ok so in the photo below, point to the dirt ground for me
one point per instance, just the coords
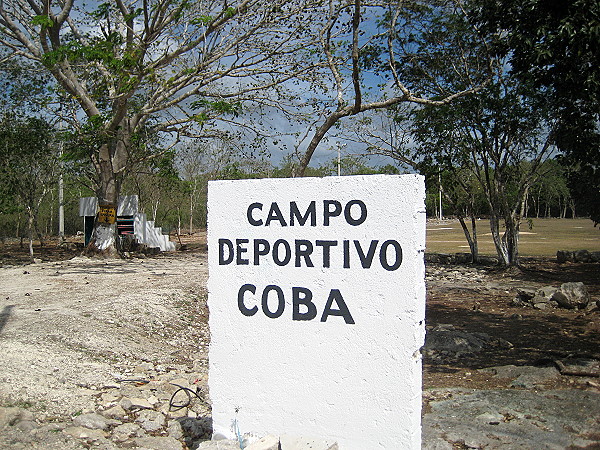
(539, 337)
(70, 326)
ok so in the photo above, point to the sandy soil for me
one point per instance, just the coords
(67, 328)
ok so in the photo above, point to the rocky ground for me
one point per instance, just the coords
(113, 354)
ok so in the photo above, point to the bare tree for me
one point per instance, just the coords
(143, 67)
(359, 38)
(29, 166)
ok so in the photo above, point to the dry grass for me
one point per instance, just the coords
(544, 238)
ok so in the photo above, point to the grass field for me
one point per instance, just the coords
(543, 239)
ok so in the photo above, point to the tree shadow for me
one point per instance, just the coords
(196, 430)
(537, 338)
(545, 270)
(5, 316)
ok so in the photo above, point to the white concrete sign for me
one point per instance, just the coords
(317, 308)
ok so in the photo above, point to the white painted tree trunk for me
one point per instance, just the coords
(105, 237)
(109, 162)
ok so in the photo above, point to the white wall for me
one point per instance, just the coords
(353, 375)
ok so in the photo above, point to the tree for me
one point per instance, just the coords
(550, 194)
(441, 54)
(498, 137)
(353, 165)
(460, 188)
(143, 68)
(361, 41)
(554, 45)
(28, 168)
(501, 137)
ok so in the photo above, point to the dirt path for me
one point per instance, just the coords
(69, 328)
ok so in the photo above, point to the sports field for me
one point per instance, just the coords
(544, 238)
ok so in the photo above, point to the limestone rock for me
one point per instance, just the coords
(85, 433)
(579, 366)
(224, 444)
(524, 376)
(116, 412)
(562, 256)
(134, 403)
(93, 421)
(151, 420)
(125, 431)
(175, 430)
(569, 295)
(195, 428)
(573, 295)
(9, 416)
(158, 443)
(583, 256)
(579, 256)
(109, 398)
(269, 442)
(441, 339)
(26, 425)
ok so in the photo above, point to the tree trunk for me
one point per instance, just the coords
(507, 244)
(471, 236)
(109, 163)
(36, 227)
(18, 235)
(500, 248)
(30, 232)
(475, 247)
(191, 213)
(50, 222)
(155, 210)
(178, 221)
(510, 238)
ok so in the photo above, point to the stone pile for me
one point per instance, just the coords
(568, 295)
(459, 258)
(154, 408)
(150, 407)
(457, 274)
(581, 256)
(445, 341)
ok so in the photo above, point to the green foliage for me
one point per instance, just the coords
(549, 195)
(218, 106)
(353, 165)
(201, 20)
(430, 37)
(28, 166)
(24, 87)
(349, 165)
(164, 166)
(102, 11)
(102, 50)
(243, 169)
(554, 46)
(82, 143)
(43, 21)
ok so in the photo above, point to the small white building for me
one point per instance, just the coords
(129, 222)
